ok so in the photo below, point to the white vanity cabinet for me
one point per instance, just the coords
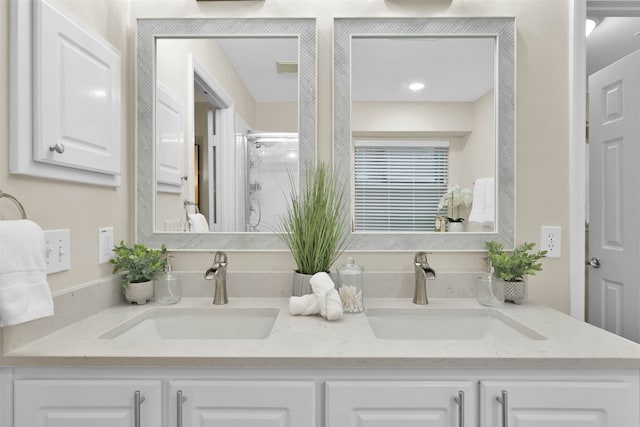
(232, 403)
(559, 403)
(82, 403)
(319, 397)
(399, 403)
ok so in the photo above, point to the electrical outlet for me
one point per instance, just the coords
(57, 250)
(105, 244)
(550, 240)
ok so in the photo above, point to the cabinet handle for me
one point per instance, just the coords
(504, 401)
(137, 401)
(179, 401)
(58, 148)
(460, 401)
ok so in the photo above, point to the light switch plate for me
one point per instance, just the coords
(57, 250)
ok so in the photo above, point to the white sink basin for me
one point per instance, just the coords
(214, 323)
(446, 324)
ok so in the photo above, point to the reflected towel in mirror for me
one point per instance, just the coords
(198, 223)
(483, 206)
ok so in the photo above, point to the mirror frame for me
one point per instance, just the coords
(148, 32)
(503, 30)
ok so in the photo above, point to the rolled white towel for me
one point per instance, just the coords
(331, 309)
(304, 305)
(321, 283)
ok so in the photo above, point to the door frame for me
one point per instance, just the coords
(578, 10)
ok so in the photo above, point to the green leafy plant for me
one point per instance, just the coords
(315, 224)
(140, 263)
(512, 267)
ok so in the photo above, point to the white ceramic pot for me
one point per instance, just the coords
(515, 292)
(139, 293)
(456, 227)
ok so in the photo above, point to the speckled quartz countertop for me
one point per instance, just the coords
(311, 341)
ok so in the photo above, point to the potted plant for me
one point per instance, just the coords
(141, 265)
(514, 267)
(314, 226)
(455, 197)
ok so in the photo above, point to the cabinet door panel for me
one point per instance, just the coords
(397, 403)
(82, 403)
(77, 95)
(245, 403)
(560, 403)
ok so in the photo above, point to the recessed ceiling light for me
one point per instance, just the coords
(590, 25)
(416, 86)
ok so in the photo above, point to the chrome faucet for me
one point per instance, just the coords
(218, 272)
(423, 273)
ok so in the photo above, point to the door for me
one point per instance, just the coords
(242, 403)
(82, 403)
(558, 404)
(614, 208)
(399, 403)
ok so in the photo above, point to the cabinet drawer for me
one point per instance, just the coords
(82, 403)
(560, 403)
(398, 403)
(244, 403)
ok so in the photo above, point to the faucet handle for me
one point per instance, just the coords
(420, 258)
(220, 257)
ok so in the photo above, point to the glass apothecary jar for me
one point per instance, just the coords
(350, 286)
(489, 290)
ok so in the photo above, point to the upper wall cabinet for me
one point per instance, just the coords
(65, 98)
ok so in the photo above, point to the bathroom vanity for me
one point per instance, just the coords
(451, 363)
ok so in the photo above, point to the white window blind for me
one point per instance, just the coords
(398, 184)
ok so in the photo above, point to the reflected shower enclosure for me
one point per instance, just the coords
(272, 175)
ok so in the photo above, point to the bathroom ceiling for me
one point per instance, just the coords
(452, 69)
(613, 39)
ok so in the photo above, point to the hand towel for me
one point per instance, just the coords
(490, 202)
(304, 305)
(198, 223)
(324, 300)
(24, 291)
(479, 197)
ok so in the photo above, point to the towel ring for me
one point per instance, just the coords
(16, 201)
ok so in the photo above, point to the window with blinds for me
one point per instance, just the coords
(398, 184)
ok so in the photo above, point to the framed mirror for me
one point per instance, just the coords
(424, 129)
(226, 124)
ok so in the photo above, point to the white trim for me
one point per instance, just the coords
(613, 7)
(577, 159)
(225, 121)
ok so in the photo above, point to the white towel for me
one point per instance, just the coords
(479, 196)
(325, 299)
(198, 223)
(24, 291)
(490, 202)
(484, 202)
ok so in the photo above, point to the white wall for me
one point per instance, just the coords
(57, 204)
(541, 115)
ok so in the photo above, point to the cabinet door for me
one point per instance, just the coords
(244, 403)
(83, 403)
(560, 403)
(399, 403)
